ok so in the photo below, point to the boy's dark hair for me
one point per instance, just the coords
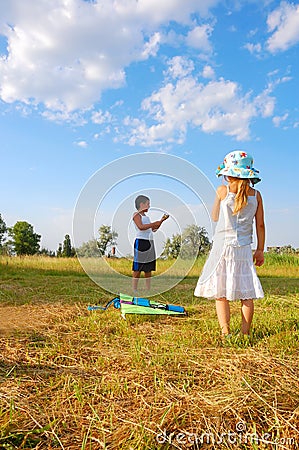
(140, 199)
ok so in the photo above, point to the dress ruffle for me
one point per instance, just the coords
(230, 274)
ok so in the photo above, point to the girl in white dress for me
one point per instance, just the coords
(229, 273)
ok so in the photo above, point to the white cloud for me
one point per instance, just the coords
(277, 120)
(232, 29)
(218, 106)
(175, 10)
(253, 32)
(82, 144)
(208, 72)
(152, 46)
(199, 38)
(76, 118)
(264, 104)
(253, 48)
(283, 22)
(99, 117)
(180, 67)
(63, 54)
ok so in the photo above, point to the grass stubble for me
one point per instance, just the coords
(71, 379)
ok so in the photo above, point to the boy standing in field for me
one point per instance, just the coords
(144, 249)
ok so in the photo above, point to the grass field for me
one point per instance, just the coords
(71, 379)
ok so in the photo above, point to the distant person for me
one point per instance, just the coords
(229, 273)
(144, 249)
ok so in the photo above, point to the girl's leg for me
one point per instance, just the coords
(223, 314)
(136, 276)
(247, 315)
(147, 276)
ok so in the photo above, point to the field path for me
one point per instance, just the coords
(32, 317)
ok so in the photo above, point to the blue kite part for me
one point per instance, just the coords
(115, 302)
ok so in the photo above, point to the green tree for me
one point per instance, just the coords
(46, 252)
(24, 240)
(194, 241)
(287, 250)
(89, 249)
(3, 230)
(172, 246)
(67, 251)
(107, 238)
(59, 250)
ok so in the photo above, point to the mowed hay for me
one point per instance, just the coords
(73, 379)
(105, 383)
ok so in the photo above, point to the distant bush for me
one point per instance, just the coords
(284, 250)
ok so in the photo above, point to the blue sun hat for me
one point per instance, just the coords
(239, 164)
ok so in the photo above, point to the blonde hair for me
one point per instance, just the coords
(241, 198)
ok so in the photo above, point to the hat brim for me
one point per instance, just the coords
(251, 174)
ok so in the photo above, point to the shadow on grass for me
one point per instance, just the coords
(37, 371)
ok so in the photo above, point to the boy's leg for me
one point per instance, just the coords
(136, 276)
(223, 314)
(147, 276)
(247, 311)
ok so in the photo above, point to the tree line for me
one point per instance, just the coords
(21, 239)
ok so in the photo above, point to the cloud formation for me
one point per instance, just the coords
(217, 106)
(63, 54)
(283, 23)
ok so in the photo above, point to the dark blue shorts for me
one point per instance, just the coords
(144, 256)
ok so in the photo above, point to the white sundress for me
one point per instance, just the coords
(229, 271)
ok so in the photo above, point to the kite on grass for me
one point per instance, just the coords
(138, 305)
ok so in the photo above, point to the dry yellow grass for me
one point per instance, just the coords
(73, 380)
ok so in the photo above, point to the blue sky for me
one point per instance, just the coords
(83, 83)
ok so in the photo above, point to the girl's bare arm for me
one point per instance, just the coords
(258, 256)
(220, 195)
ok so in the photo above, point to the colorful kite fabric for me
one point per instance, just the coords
(139, 305)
